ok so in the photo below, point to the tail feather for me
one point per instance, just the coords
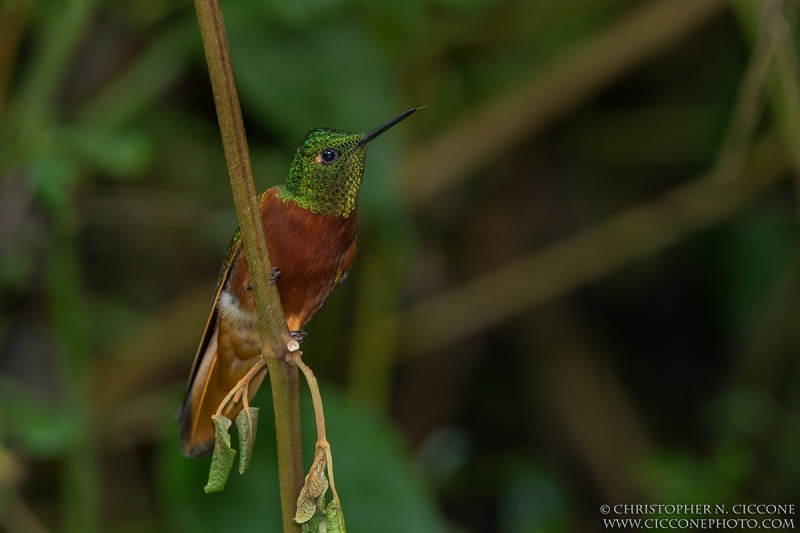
(219, 371)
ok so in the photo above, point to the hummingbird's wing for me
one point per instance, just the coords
(228, 350)
(344, 267)
(234, 248)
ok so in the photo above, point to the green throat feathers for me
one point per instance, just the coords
(325, 176)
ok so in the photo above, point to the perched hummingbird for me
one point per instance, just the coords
(310, 227)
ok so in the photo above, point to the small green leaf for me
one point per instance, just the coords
(247, 422)
(222, 460)
(334, 518)
(37, 429)
(317, 524)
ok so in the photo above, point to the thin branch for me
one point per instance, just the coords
(296, 359)
(12, 24)
(17, 516)
(750, 101)
(272, 322)
(767, 16)
(786, 92)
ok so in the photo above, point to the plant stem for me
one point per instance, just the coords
(272, 322)
(12, 25)
(71, 321)
(296, 359)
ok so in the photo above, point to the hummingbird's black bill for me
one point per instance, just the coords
(380, 129)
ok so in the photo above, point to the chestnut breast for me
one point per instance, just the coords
(311, 251)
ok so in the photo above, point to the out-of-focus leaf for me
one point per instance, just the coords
(681, 478)
(445, 451)
(297, 14)
(743, 412)
(118, 152)
(532, 501)
(54, 179)
(154, 72)
(222, 459)
(247, 424)
(335, 77)
(35, 428)
(733, 463)
(373, 474)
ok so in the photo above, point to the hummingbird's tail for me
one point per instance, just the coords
(218, 371)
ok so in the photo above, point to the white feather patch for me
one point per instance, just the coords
(230, 310)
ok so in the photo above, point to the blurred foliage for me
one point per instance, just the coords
(645, 365)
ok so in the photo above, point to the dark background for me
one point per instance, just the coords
(577, 280)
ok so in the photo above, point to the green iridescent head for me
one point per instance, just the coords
(327, 169)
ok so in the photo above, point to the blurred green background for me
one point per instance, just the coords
(578, 277)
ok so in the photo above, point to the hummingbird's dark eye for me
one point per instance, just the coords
(328, 156)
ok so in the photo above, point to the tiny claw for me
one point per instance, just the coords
(299, 336)
(274, 276)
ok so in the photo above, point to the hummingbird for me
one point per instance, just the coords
(310, 229)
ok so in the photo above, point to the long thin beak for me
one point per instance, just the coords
(380, 129)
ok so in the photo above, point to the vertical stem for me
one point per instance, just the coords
(296, 360)
(12, 22)
(767, 16)
(375, 340)
(272, 322)
(81, 506)
(286, 400)
(377, 328)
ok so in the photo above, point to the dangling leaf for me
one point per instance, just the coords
(312, 495)
(247, 422)
(334, 518)
(222, 460)
(307, 505)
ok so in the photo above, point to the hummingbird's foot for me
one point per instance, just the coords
(299, 335)
(274, 276)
